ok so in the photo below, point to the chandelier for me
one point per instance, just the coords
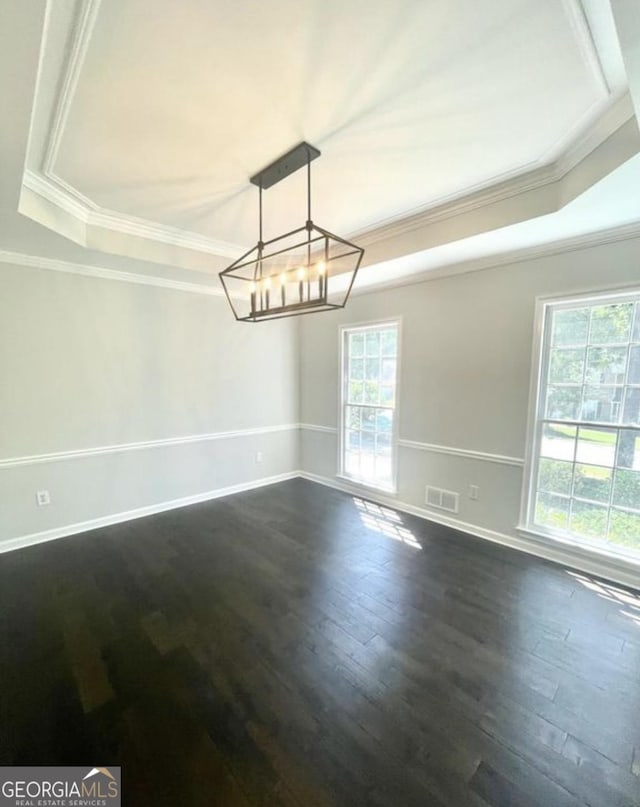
(303, 271)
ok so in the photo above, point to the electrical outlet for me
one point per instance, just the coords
(474, 492)
(258, 457)
(43, 498)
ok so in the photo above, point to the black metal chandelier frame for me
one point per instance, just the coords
(299, 292)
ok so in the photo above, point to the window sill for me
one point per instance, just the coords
(368, 486)
(622, 560)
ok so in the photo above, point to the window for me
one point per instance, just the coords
(369, 398)
(584, 476)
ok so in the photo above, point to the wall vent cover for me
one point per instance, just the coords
(442, 499)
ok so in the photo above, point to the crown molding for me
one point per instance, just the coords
(86, 21)
(62, 189)
(593, 133)
(164, 233)
(100, 272)
(580, 25)
(495, 189)
(37, 183)
(506, 185)
(67, 198)
(622, 233)
(625, 232)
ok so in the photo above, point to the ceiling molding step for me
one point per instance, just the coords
(101, 273)
(58, 192)
(63, 187)
(554, 157)
(164, 233)
(580, 25)
(83, 30)
(627, 23)
(618, 148)
(612, 120)
(616, 114)
(495, 191)
(625, 232)
(43, 187)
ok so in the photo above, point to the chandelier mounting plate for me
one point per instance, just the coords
(295, 158)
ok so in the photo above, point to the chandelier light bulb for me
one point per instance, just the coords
(283, 289)
(322, 279)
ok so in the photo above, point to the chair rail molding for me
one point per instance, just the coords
(119, 448)
(434, 448)
(485, 456)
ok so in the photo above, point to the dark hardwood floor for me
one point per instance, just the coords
(296, 646)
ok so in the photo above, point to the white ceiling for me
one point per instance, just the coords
(449, 131)
(411, 103)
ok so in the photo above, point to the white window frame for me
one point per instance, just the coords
(344, 331)
(540, 357)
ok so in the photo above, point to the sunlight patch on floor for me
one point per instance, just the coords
(386, 522)
(619, 596)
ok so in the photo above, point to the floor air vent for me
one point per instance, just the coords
(442, 499)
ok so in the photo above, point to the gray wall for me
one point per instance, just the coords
(88, 363)
(465, 373)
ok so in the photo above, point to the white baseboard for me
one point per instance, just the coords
(573, 557)
(627, 574)
(139, 512)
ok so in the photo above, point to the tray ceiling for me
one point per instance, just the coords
(150, 116)
(177, 104)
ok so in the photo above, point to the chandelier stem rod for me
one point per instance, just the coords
(260, 244)
(308, 187)
(308, 222)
